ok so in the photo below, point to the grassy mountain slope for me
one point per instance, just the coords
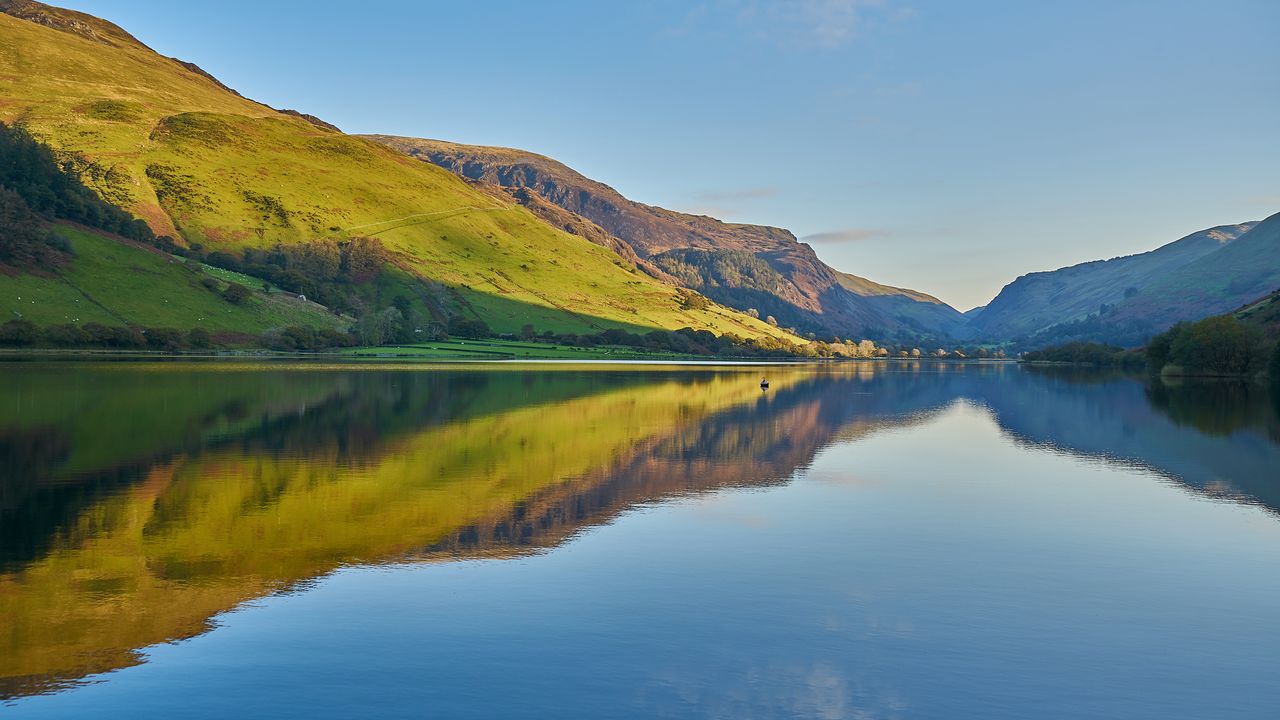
(1263, 314)
(1221, 281)
(800, 290)
(198, 162)
(114, 282)
(1040, 300)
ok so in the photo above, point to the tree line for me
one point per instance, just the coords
(36, 188)
(1220, 345)
(1216, 346)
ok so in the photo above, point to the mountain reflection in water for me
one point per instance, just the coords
(139, 502)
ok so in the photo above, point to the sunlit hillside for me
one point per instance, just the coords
(208, 167)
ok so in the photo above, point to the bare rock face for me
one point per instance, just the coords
(70, 21)
(801, 291)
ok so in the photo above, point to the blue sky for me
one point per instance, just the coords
(944, 146)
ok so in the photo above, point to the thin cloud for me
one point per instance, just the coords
(729, 196)
(848, 235)
(796, 24)
(824, 24)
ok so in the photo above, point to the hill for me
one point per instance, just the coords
(1263, 314)
(749, 267)
(216, 171)
(1039, 301)
(113, 282)
(1218, 282)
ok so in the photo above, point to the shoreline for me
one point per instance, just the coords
(73, 355)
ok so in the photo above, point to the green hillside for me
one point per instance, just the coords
(210, 168)
(111, 282)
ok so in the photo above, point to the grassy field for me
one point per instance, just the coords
(115, 283)
(204, 165)
(508, 350)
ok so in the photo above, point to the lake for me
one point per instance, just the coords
(862, 540)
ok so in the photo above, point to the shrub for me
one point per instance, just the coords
(236, 294)
(1218, 345)
(114, 336)
(1274, 368)
(471, 329)
(23, 240)
(164, 339)
(19, 333)
(68, 335)
(199, 338)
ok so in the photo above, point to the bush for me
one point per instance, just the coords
(1219, 346)
(236, 294)
(199, 338)
(68, 335)
(167, 339)
(19, 333)
(24, 243)
(1274, 368)
(114, 336)
(470, 329)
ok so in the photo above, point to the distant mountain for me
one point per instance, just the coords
(748, 267)
(1236, 274)
(1127, 299)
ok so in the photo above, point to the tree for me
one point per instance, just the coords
(236, 294)
(1274, 369)
(1218, 345)
(19, 333)
(471, 329)
(23, 241)
(362, 259)
(375, 328)
(68, 335)
(199, 338)
(318, 260)
(1160, 349)
(527, 332)
(167, 339)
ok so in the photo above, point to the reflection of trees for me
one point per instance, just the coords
(1214, 407)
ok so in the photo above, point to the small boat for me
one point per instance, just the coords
(764, 384)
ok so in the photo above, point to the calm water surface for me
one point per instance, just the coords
(861, 541)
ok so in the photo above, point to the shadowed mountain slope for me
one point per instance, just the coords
(1233, 275)
(1038, 301)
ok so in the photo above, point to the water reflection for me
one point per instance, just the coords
(136, 504)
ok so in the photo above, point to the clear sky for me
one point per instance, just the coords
(944, 146)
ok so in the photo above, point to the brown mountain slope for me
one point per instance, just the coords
(750, 267)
